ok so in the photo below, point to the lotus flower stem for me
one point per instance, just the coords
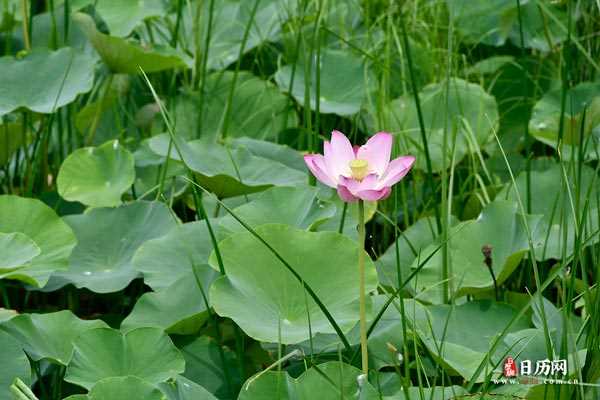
(25, 16)
(362, 295)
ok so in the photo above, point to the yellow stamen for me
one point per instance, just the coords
(359, 168)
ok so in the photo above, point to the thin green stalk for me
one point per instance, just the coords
(362, 294)
(54, 35)
(175, 37)
(415, 93)
(526, 137)
(227, 113)
(25, 18)
(202, 76)
(99, 110)
(214, 318)
(343, 218)
(67, 20)
(402, 310)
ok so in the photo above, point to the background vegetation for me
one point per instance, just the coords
(160, 237)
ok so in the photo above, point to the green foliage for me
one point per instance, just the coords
(96, 176)
(44, 80)
(161, 237)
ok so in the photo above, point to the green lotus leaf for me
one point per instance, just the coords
(96, 176)
(555, 234)
(345, 82)
(230, 20)
(127, 57)
(205, 367)
(472, 116)
(107, 240)
(545, 119)
(145, 353)
(44, 80)
(493, 22)
(167, 259)
(48, 336)
(180, 308)
(281, 153)
(13, 364)
(258, 109)
(51, 29)
(332, 380)
(16, 249)
(122, 387)
(229, 171)
(268, 302)
(500, 225)
(411, 242)
(303, 209)
(121, 17)
(182, 388)
(41, 225)
(452, 337)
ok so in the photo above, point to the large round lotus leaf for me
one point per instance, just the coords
(16, 249)
(332, 381)
(48, 336)
(345, 82)
(269, 303)
(493, 22)
(107, 240)
(13, 364)
(121, 17)
(230, 20)
(500, 225)
(179, 308)
(96, 176)
(464, 334)
(303, 209)
(127, 57)
(44, 81)
(230, 171)
(545, 118)
(146, 353)
(126, 387)
(555, 236)
(257, 110)
(467, 111)
(411, 243)
(204, 366)
(166, 259)
(182, 388)
(41, 225)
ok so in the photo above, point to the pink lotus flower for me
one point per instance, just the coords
(364, 172)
